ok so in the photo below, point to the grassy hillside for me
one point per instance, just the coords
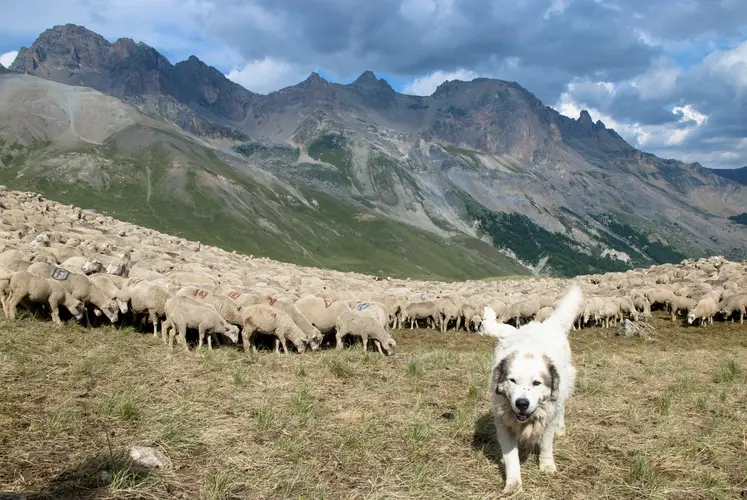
(654, 420)
(164, 182)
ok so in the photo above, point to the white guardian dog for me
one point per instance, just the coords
(531, 380)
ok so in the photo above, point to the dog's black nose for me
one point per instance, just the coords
(522, 404)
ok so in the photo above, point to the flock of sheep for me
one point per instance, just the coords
(56, 256)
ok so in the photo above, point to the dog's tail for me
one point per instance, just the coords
(490, 326)
(567, 310)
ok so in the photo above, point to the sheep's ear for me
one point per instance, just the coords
(500, 372)
(554, 381)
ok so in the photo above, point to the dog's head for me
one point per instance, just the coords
(526, 380)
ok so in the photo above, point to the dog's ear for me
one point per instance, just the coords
(500, 373)
(554, 381)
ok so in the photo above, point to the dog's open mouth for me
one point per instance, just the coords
(522, 417)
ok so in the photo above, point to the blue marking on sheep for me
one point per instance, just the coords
(363, 305)
(60, 274)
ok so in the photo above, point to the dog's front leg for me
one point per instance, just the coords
(510, 453)
(546, 459)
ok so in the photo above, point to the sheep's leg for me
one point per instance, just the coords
(200, 335)
(10, 307)
(88, 320)
(364, 338)
(283, 343)
(183, 336)
(154, 319)
(210, 340)
(378, 346)
(338, 338)
(741, 317)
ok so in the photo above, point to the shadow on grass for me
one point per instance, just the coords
(485, 440)
(90, 479)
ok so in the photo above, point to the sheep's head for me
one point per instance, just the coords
(691, 317)
(111, 310)
(92, 267)
(315, 339)
(122, 305)
(77, 308)
(232, 332)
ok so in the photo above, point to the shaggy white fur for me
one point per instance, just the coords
(531, 379)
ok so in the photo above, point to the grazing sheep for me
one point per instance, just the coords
(111, 290)
(147, 298)
(322, 313)
(271, 321)
(360, 325)
(703, 311)
(183, 313)
(543, 314)
(735, 303)
(421, 310)
(80, 287)
(225, 306)
(466, 317)
(24, 285)
(677, 304)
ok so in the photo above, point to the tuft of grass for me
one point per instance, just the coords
(415, 368)
(341, 368)
(665, 403)
(122, 405)
(302, 404)
(265, 418)
(728, 373)
(641, 473)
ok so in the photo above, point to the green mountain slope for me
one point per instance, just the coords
(170, 183)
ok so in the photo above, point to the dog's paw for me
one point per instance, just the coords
(548, 466)
(512, 487)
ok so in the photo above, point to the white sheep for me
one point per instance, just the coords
(24, 285)
(183, 313)
(354, 323)
(147, 298)
(703, 311)
(261, 318)
(80, 287)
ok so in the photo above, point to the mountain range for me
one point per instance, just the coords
(478, 179)
(734, 174)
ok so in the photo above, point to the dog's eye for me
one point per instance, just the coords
(512, 380)
(536, 383)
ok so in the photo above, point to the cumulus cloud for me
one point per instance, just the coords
(426, 85)
(267, 75)
(614, 56)
(8, 58)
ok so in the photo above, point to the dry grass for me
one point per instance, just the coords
(664, 419)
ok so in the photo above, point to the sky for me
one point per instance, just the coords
(670, 76)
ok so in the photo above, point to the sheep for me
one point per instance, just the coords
(321, 313)
(677, 304)
(183, 313)
(467, 313)
(543, 314)
(735, 303)
(148, 298)
(226, 307)
(354, 323)
(313, 335)
(111, 289)
(626, 305)
(271, 321)
(80, 287)
(609, 312)
(448, 310)
(376, 310)
(25, 285)
(421, 310)
(703, 311)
